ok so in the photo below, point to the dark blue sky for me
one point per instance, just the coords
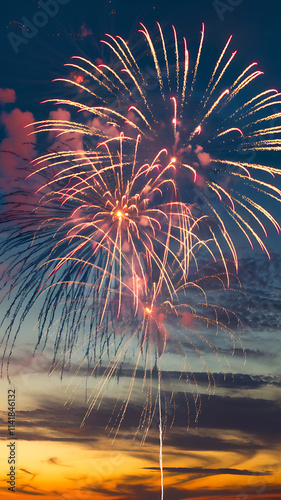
(255, 26)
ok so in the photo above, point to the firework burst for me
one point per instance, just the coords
(104, 227)
(203, 137)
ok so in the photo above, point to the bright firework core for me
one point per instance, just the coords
(118, 215)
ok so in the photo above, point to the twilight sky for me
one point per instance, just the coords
(234, 450)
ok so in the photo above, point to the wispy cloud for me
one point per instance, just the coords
(56, 461)
(199, 470)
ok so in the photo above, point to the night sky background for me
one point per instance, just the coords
(234, 452)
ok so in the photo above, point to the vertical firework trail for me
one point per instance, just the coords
(160, 436)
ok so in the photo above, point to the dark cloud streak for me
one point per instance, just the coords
(198, 470)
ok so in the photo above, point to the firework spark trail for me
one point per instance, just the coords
(200, 145)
